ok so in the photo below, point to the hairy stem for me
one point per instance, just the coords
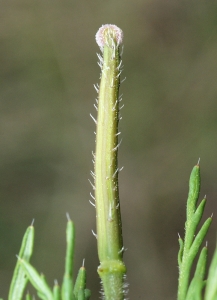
(109, 229)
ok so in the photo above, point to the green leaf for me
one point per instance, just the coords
(198, 283)
(199, 239)
(80, 283)
(201, 264)
(180, 253)
(194, 190)
(195, 289)
(81, 295)
(37, 281)
(56, 291)
(28, 296)
(87, 294)
(67, 285)
(211, 285)
(67, 291)
(193, 222)
(19, 280)
(192, 243)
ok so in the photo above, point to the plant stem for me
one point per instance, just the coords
(108, 216)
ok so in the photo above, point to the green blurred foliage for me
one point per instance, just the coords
(47, 68)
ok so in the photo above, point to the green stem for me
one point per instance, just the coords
(108, 216)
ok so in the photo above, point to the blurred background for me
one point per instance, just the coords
(48, 66)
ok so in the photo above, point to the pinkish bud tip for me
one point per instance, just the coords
(111, 31)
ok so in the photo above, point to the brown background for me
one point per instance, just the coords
(48, 66)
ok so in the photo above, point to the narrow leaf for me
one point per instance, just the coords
(81, 295)
(37, 281)
(87, 294)
(195, 289)
(194, 190)
(56, 292)
(201, 264)
(198, 283)
(199, 239)
(19, 280)
(80, 283)
(193, 223)
(192, 243)
(67, 285)
(28, 296)
(211, 285)
(180, 253)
